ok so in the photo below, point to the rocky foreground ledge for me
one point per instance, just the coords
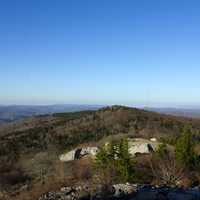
(125, 191)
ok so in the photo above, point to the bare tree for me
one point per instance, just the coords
(167, 170)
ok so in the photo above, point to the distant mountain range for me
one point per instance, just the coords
(17, 112)
(184, 112)
(13, 113)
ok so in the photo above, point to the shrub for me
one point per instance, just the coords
(82, 170)
(142, 168)
(166, 170)
(162, 150)
(11, 175)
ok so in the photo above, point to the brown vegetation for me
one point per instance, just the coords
(33, 143)
(166, 170)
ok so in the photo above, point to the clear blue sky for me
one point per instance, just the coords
(134, 52)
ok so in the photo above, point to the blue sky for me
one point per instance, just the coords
(132, 52)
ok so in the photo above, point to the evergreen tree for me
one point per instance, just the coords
(185, 149)
(102, 157)
(124, 161)
(116, 157)
(162, 150)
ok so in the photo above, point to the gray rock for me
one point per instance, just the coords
(121, 190)
(78, 153)
(128, 191)
(140, 145)
(89, 151)
(137, 145)
(69, 156)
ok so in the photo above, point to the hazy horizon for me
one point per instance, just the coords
(156, 106)
(138, 53)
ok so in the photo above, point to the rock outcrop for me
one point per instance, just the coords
(89, 151)
(121, 190)
(142, 146)
(136, 146)
(125, 191)
(69, 156)
(79, 193)
(78, 153)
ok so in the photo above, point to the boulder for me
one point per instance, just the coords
(78, 153)
(69, 156)
(66, 193)
(121, 190)
(137, 145)
(124, 191)
(89, 151)
(142, 146)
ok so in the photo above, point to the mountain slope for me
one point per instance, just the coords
(66, 130)
(29, 149)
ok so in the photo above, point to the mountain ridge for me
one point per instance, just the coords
(184, 112)
(11, 113)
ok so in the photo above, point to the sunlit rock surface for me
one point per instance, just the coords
(136, 146)
(78, 153)
(142, 146)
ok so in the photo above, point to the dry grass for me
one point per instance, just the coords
(37, 190)
(60, 176)
(83, 170)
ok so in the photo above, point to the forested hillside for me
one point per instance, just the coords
(29, 150)
(65, 130)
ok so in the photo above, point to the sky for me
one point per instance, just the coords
(129, 52)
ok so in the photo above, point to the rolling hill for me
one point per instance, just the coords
(65, 130)
(17, 112)
(30, 148)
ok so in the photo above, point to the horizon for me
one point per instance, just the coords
(134, 53)
(182, 107)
